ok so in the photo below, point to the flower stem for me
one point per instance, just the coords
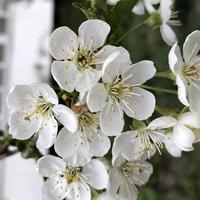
(166, 74)
(133, 29)
(159, 90)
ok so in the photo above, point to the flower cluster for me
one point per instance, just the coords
(98, 152)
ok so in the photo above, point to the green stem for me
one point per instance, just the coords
(166, 74)
(134, 28)
(93, 3)
(159, 90)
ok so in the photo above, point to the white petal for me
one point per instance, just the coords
(66, 117)
(54, 188)
(122, 144)
(44, 90)
(162, 123)
(194, 98)
(168, 34)
(115, 64)
(93, 34)
(182, 90)
(191, 46)
(111, 119)
(190, 119)
(141, 176)
(47, 133)
(149, 7)
(112, 2)
(66, 143)
(140, 72)
(86, 79)
(21, 97)
(63, 43)
(49, 165)
(78, 191)
(165, 9)
(175, 59)
(22, 128)
(183, 137)
(97, 97)
(99, 144)
(139, 8)
(172, 148)
(95, 174)
(64, 73)
(139, 106)
(155, 1)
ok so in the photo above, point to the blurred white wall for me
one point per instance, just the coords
(25, 60)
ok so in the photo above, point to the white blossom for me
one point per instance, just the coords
(88, 137)
(140, 7)
(125, 175)
(78, 58)
(34, 109)
(187, 70)
(143, 142)
(184, 134)
(72, 178)
(120, 92)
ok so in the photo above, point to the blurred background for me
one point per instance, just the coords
(24, 29)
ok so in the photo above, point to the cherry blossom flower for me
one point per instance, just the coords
(78, 58)
(184, 134)
(88, 137)
(34, 109)
(143, 142)
(125, 175)
(187, 71)
(72, 178)
(120, 92)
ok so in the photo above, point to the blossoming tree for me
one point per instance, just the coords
(99, 154)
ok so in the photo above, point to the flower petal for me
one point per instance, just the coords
(182, 90)
(111, 119)
(139, 106)
(66, 117)
(95, 174)
(22, 128)
(78, 191)
(165, 10)
(63, 43)
(49, 165)
(86, 79)
(140, 72)
(194, 97)
(139, 8)
(171, 147)
(191, 46)
(97, 97)
(66, 143)
(190, 119)
(21, 97)
(183, 137)
(93, 34)
(54, 188)
(162, 123)
(47, 133)
(99, 144)
(64, 73)
(168, 34)
(175, 59)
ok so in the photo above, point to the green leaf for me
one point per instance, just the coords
(120, 12)
(88, 12)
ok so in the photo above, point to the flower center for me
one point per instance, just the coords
(42, 107)
(191, 71)
(84, 60)
(72, 174)
(118, 89)
(129, 168)
(87, 120)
